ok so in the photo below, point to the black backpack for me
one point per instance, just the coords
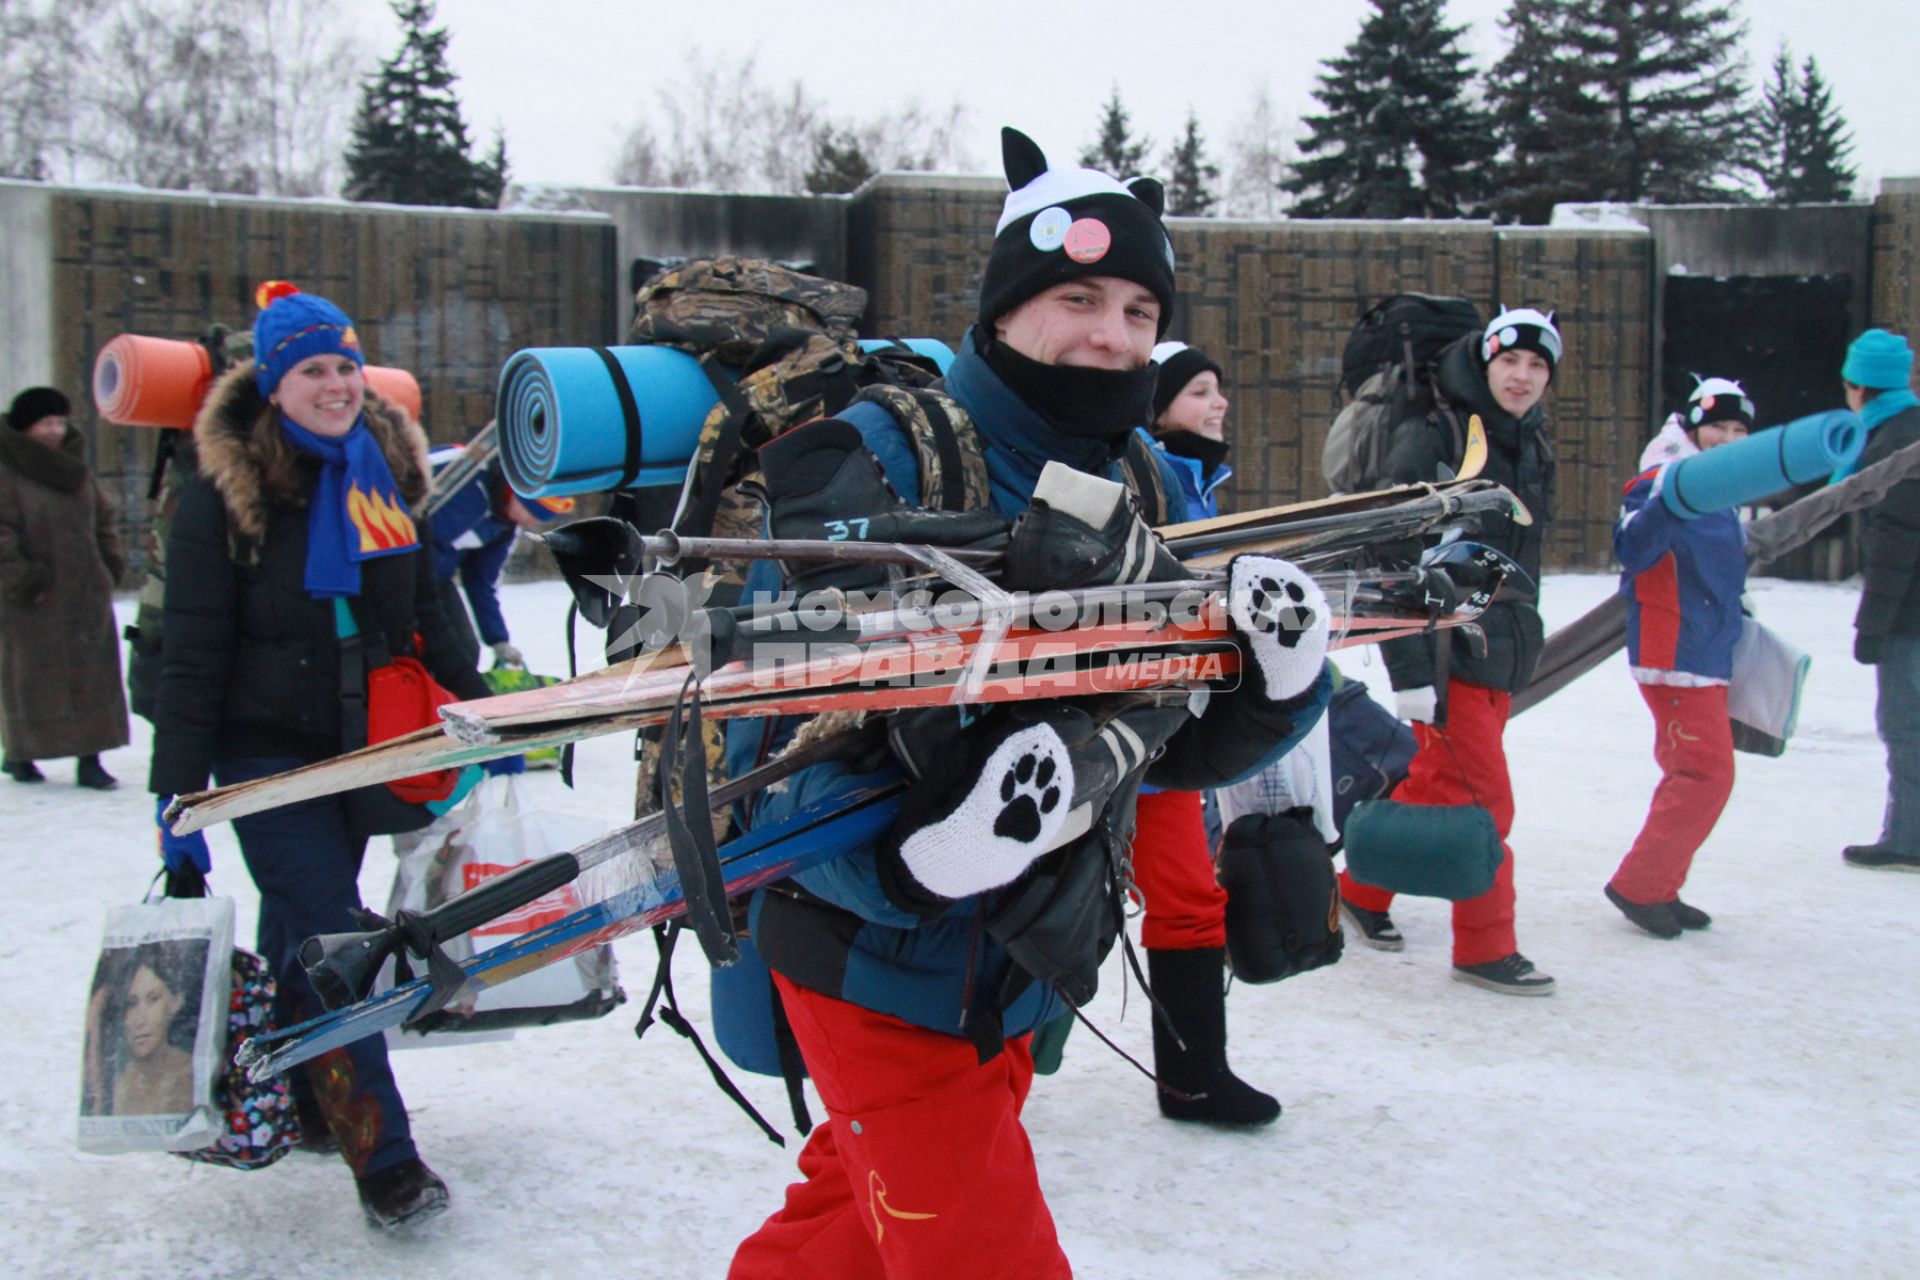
(1387, 370)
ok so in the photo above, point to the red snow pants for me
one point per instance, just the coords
(1173, 870)
(1693, 745)
(921, 1169)
(1464, 763)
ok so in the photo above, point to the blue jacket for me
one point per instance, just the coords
(469, 540)
(1683, 580)
(842, 935)
(1196, 486)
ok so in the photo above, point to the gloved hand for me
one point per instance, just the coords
(1417, 705)
(1282, 616)
(1010, 787)
(822, 482)
(180, 852)
(505, 655)
(1867, 649)
(505, 766)
(1080, 530)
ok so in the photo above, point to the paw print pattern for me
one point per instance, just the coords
(1279, 609)
(1029, 793)
(1016, 809)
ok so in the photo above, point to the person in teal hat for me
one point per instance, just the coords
(1878, 379)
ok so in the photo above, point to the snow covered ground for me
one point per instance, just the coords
(1735, 1103)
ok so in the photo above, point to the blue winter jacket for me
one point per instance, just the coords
(1683, 580)
(1198, 488)
(843, 936)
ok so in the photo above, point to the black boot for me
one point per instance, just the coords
(90, 774)
(1192, 987)
(22, 771)
(406, 1193)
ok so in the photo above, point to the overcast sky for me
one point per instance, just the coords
(566, 78)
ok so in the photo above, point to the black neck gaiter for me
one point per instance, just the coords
(1088, 404)
(1208, 453)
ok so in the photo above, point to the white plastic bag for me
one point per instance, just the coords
(157, 1027)
(1302, 778)
(495, 829)
(1763, 698)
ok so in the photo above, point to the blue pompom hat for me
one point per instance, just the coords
(1880, 360)
(292, 326)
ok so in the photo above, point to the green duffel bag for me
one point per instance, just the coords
(1431, 851)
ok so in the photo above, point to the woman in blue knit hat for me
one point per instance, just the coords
(295, 534)
(1878, 380)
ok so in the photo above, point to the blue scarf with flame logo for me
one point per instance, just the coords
(356, 514)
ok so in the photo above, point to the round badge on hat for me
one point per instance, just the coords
(1088, 240)
(1049, 229)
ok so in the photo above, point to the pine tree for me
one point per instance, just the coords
(1116, 151)
(1190, 177)
(1401, 138)
(1541, 119)
(410, 142)
(1803, 137)
(1641, 101)
(839, 165)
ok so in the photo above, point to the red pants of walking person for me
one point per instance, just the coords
(1693, 745)
(921, 1170)
(1463, 763)
(1173, 870)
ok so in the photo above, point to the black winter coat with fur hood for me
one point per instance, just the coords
(250, 663)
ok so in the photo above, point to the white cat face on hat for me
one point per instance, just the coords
(1719, 400)
(1505, 331)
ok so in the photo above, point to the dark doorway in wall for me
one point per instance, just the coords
(1783, 338)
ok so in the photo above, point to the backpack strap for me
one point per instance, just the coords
(1144, 478)
(629, 413)
(953, 462)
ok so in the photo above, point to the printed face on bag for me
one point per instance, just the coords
(1201, 407)
(322, 393)
(151, 1006)
(1099, 323)
(1518, 379)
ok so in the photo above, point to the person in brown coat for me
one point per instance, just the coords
(60, 690)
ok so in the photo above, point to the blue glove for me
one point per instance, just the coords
(505, 766)
(181, 852)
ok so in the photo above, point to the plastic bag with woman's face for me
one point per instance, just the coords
(156, 1027)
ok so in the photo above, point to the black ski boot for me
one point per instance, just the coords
(404, 1194)
(91, 775)
(1657, 918)
(1192, 987)
(22, 771)
(1690, 917)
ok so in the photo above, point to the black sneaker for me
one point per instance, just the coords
(1880, 857)
(22, 771)
(1656, 918)
(1512, 975)
(1375, 928)
(1690, 917)
(402, 1195)
(90, 774)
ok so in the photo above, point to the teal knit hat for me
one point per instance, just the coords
(1878, 359)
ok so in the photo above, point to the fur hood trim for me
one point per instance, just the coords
(242, 451)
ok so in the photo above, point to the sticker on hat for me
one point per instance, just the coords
(1049, 229)
(1088, 240)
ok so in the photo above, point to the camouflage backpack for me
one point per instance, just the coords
(789, 338)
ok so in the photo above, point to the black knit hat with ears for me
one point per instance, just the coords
(36, 403)
(1072, 224)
